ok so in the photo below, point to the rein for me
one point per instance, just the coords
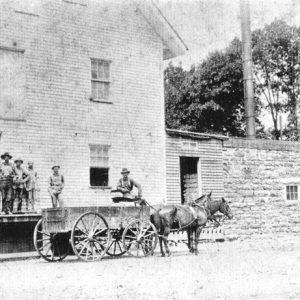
(148, 204)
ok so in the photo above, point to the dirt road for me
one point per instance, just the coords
(264, 269)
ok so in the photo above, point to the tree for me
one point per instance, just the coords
(208, 97)
(276, 70)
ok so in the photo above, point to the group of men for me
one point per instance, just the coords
(18, 183)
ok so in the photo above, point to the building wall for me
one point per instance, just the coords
(58, 121)
(255, 177)
(209, 153)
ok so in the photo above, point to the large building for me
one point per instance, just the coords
(82, 86)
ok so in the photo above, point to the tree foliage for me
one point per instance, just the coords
(209, 96)
(276, 70)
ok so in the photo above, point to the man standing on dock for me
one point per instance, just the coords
(31, 187)
(56, 185)
(19, 180)
(7, 172)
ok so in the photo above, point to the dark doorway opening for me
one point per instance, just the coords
(189, 178)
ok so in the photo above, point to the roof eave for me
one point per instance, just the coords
(173, 44)
(196, 135)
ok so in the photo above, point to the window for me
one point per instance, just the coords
(100, 74)
(99, 165)
(187, 145)
(292, 192)
(12, 83)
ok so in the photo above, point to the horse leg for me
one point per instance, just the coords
(197, 235)
(165, 239)
(190, 246)
(160, 243)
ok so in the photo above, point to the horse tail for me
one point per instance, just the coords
(155, 219)
(173, 214)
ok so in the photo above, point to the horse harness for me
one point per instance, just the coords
(194, 213)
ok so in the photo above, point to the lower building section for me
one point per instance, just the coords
(16, 233)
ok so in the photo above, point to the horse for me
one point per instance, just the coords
(211, 207)
(178, 217)
(191, 218)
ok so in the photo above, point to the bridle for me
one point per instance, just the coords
(205, 206)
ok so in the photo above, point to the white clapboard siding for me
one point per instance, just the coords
(209, 152)
(60, 121)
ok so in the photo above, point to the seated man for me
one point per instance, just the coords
(126, 184)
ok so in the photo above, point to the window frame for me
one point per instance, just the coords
(101, 80)
(13, 117)
(290, 194)
(94, 166)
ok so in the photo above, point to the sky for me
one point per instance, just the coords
(208, 25)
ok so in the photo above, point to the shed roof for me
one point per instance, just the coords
(173, 43)
(196, 135)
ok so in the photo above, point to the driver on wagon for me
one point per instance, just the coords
(126, 184)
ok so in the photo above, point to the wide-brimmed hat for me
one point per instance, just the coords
(125, 171)
(19, 159)
(58, 166)
(6, 154)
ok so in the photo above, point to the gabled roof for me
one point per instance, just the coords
(173, 43)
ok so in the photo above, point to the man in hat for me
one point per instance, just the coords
(21, 176)
(31, 186)
(126, 184)
(56, 185)
(7, 173)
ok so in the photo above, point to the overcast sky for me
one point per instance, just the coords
(206, 25)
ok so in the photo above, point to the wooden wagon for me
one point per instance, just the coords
(92, 232)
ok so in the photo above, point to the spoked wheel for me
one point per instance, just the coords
(90, 237)
(139, 238)
(50, 246)
(116, 246)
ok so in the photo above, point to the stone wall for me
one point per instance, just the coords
(256, 174)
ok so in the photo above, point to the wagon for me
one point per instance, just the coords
(92, 232)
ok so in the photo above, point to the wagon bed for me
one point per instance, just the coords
(93, 232)
(62, 219)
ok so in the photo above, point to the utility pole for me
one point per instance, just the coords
(247, 69)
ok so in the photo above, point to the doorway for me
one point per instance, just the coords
(189, 178)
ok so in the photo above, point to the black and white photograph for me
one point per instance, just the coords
(149, 149)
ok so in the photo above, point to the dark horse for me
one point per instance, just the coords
(191, 218)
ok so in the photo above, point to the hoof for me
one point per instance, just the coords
(163, 255)
(191, 250)
(169, 254)
(196, 252)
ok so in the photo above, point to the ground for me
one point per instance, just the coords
(249, 269)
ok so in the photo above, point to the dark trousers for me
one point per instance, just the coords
(6, 192)
(18, 195)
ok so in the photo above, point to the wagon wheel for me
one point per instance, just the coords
(90, 237)
(49, 246)
(139, 238)
(116, 246)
